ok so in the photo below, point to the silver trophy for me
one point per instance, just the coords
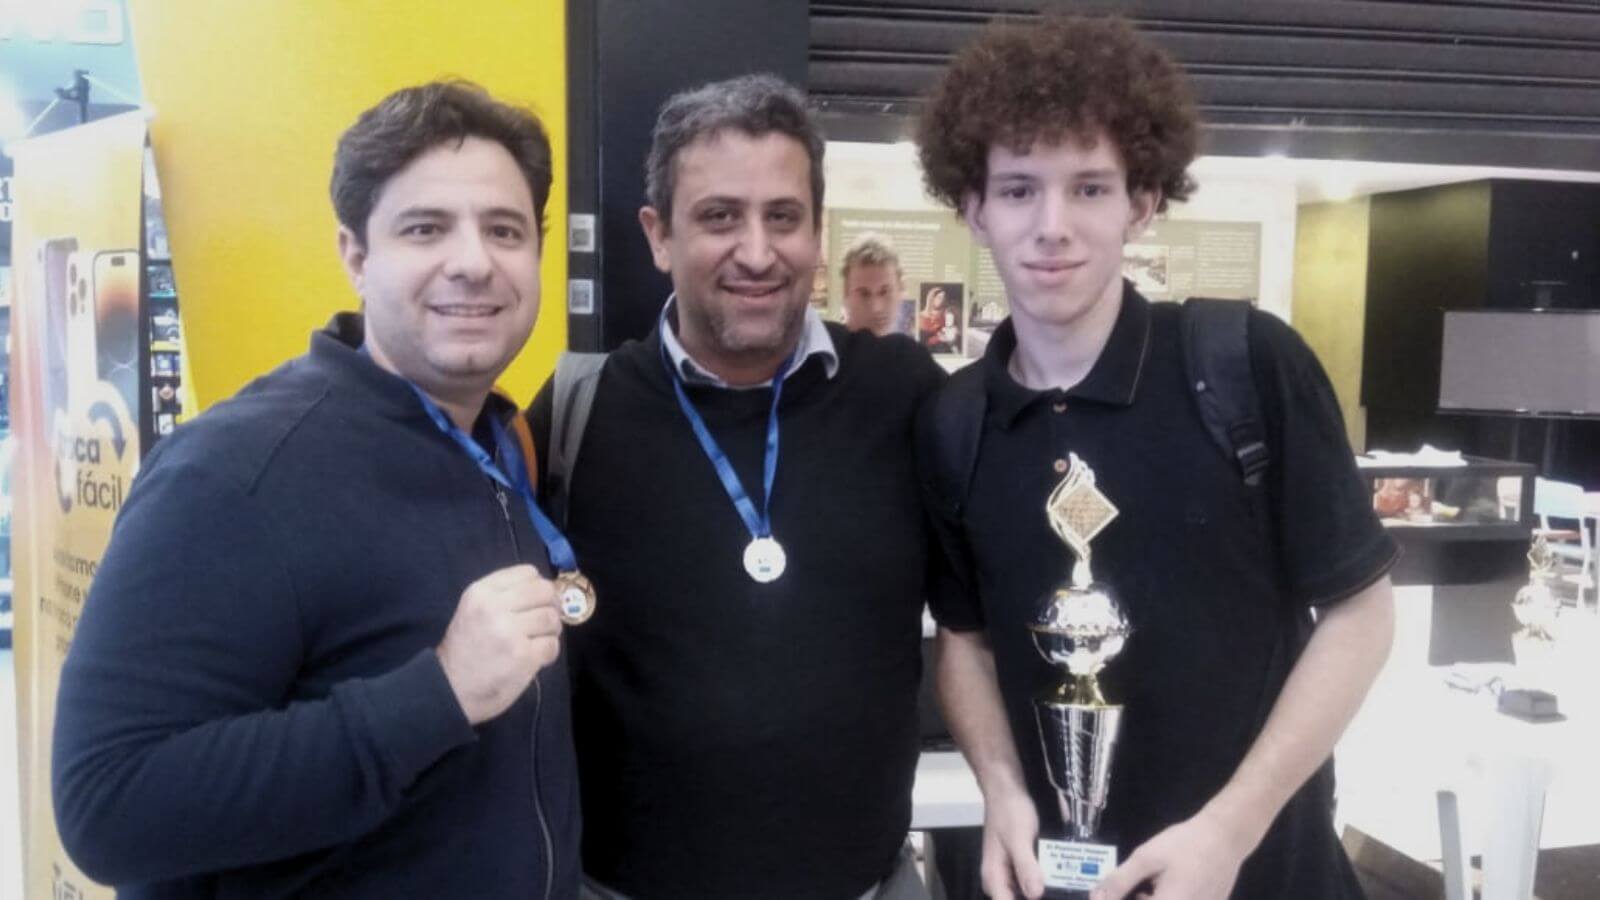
(1534, 645)
(1079, 630)
(1535, 605)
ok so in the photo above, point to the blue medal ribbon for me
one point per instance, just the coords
(561, 555)
(759, 523)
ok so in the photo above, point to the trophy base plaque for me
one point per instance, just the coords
(1073, 868)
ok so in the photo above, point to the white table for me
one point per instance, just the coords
(945, 794)
(1415, 737)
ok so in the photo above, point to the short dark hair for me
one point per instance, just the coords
(1058, 78)
(414, 120)
(757, 105)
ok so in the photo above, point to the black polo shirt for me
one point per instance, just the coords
(1217, 578)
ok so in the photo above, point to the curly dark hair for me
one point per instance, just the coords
(1052, 79)
(414, 120)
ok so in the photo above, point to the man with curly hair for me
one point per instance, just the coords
(1261, 612)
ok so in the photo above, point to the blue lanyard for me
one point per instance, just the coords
(759, 524)
(561, 555)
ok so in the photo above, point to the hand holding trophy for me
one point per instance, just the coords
(1080, 629)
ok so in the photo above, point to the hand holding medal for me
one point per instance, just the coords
(575, 593)
(505, 629)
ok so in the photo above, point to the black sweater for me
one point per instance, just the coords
(737, 739)
(252, 706)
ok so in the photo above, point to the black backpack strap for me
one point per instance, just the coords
(957, 423)
(576, 379)
(1216, 356)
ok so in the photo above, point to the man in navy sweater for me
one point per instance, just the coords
(319, 657)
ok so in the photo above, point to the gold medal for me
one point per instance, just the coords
(575, 595)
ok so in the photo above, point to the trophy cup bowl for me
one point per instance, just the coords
(1079, 630)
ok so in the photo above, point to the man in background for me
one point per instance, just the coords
(874, 297)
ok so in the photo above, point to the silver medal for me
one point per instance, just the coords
(765, 560)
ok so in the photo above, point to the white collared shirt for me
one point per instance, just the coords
(814, 341)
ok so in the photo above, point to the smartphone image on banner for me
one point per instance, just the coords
(82, 368)
(116, 311)
(52, 256)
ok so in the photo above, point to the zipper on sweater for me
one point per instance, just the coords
(505, 512)
(538, 804)
(538, 710)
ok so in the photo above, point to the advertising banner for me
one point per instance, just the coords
(75, 405)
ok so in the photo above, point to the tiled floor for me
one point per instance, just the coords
(10, 813)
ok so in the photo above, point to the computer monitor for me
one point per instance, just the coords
(1521, 362)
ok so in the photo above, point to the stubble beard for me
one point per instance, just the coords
(725, 331)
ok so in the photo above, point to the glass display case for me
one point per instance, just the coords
(1475, 499)
(1463, 530)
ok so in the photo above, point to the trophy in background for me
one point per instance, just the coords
(1079, 630)
(1535, 605)
(1538, 611)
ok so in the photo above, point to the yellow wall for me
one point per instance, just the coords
(1330, 298)
(250, 99)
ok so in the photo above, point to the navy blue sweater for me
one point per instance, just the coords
(252, 706)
